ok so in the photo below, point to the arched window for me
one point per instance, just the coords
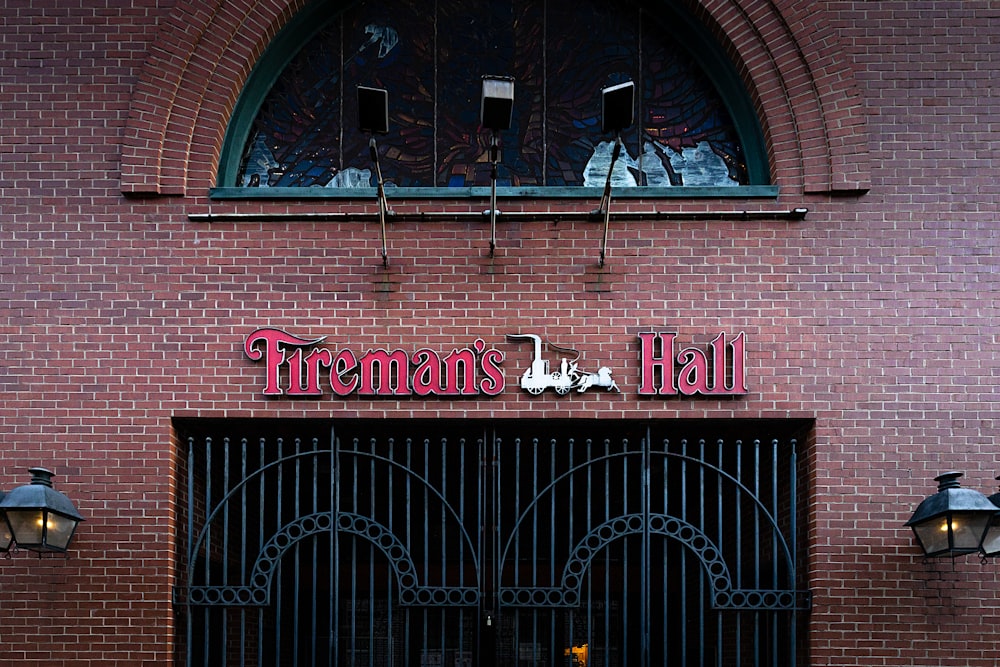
(295, 125)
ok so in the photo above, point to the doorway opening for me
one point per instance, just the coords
(491, 542)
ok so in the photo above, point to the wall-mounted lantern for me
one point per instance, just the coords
(954, 520)
(38, 518)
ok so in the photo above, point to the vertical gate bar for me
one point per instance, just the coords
(390, 523)
(444, 535)
(462, 556)
(739, 548)
(392, 530)
(495, 550)
(357, 551)
(515, 538)
(190, 550)
(481, 539)
(793, 580)
(461, 542)
(370, 548)
(372, 483)
(353, 599)
(775, 544)
(606, 556)
(569, 535)
(208, 540)
(664, 605)
(589, 496)
(720, 619)
(645, 556)
(535, 621)
(296, 571)
(225, 545)
(314, 629)
(334, 606)
(701, 579)
(426, 534)
(410, 613)
(756, 550)
(461, 510)
(624, 575)
(280, 589)
(533, 540)
(683, 554)
(244, 444)
(534, 514)
(260, 543)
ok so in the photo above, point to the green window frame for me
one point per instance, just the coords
(689, 33)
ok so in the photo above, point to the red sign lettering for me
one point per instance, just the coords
(294, 368)
(719, 371)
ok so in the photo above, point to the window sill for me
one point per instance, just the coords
(320, 193)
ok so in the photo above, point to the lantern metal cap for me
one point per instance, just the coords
(950, 497)
(40, 495)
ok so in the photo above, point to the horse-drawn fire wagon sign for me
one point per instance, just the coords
(569, 377)
(296, 367)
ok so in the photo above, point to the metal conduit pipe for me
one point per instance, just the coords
(793, 214)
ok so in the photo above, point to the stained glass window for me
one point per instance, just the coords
(431, 58)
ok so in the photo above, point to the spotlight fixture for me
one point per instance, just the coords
(617, 107)
(373, 118)
(496, 111)
(617, 114)
(953, 521)
(373, 110)
(497, 107)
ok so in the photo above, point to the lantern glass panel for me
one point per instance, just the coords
(991, 543)
(59, 531)
(956, 532)
(933, 536)
(27, 526)
(968, 529)
(5, 535)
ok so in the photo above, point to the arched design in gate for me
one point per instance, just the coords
(378, 546)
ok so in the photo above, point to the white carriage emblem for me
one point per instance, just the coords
(538, 377)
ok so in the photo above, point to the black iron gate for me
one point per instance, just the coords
(512, 543)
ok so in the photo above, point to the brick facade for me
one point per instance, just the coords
(874, 316)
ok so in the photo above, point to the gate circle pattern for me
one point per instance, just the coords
(753, 599)
(303, 527)
(632, 524)
(243, 596)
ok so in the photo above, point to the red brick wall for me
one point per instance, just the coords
(875, 316)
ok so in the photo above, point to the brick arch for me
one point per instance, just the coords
(806, 95)
(188, 87)
(804, 87)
